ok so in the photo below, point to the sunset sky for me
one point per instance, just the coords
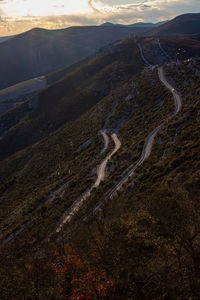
(20, 15)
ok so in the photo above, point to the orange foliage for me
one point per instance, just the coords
(87, 282)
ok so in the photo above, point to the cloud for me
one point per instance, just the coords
(100, 11)
(90, 4)
(102, 7)
(10, 26)
(149, 10)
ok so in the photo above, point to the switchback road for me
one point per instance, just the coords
(149, 141)
(101, 169)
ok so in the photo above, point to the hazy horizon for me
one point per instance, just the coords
(17, 16)
(9, 35)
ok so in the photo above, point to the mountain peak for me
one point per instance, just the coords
(110, 24)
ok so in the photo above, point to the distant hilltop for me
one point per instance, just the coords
(139, 24)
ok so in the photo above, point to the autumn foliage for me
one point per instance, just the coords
(85, 281)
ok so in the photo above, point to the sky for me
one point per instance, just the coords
(17, 16)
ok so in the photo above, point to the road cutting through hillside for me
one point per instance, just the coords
(142, 55)
(150, 139)
(145, 154)
(148, 143)
(106, 141)
(177, 98)
(163, 51)
(61, 189)
(101, 169)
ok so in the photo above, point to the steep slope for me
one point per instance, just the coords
(33, 173)
(39, 52)
(162, 49)
(181, 25)
(74, 92)
(145, 242)
(70, 97)
(18, 93)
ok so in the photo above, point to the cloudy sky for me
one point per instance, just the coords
(20, 15)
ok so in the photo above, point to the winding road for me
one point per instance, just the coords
(145, 154)
(101, 169)
(177, 98)
(68, 215)
(148, 143)
(106, 141)
(142, 55)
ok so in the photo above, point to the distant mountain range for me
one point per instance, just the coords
(39, 52)
(139, 24)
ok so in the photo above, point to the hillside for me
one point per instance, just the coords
(181, 25)
(70, 97)
(181, 47)
(39, 51)
(63, 100)
(102, 199)
(158, 50)
(25, 170)
(18, 93)
(5, 38)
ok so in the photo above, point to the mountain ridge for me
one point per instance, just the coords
(138, 24)
(40, 51)
(180, 25)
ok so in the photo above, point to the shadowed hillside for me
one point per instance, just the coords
(73, 95)
(149, 229)
(184, 24)
(39, 51)
(81, 86)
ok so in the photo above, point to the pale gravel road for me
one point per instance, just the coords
(177, 98)
(106, 141)
(101, 169)
(149, 141)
